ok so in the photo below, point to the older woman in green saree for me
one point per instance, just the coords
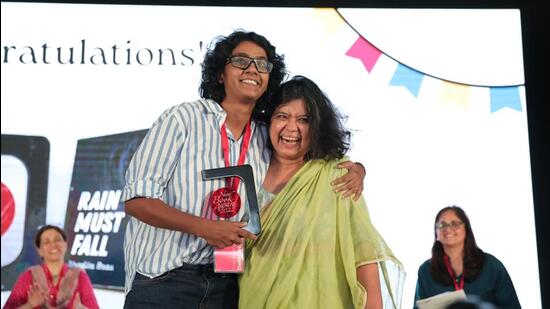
(316, 249)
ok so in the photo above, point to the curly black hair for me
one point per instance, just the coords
(329, 138)
(473, 255)
(216, 59)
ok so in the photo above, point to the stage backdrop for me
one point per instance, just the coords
(435, 99)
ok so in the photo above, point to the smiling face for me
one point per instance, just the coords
(52, 246)
(451, 231)
(289, 131)
(245, 85)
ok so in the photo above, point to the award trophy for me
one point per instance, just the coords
(231, 259)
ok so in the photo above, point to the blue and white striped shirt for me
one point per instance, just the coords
(182, 142)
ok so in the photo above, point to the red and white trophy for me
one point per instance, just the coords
(226, 203)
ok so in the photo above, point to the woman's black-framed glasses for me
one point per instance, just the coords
(453, 225)
(243, 62)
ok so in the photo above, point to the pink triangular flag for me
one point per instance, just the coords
(364, 51)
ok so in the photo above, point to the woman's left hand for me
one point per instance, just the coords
(351, 184)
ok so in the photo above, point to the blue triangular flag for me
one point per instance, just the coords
(405, 76)
(502, 97)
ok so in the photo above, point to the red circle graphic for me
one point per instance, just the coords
(8, 208)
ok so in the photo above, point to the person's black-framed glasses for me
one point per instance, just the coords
(453, 225)
(243, 62)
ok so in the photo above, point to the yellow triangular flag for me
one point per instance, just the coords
(330, 19)
(455, 93)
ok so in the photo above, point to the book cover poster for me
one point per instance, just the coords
(95, 220)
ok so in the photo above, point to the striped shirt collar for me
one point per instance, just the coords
(213, 107)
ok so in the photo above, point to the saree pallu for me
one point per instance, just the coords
(311, 243)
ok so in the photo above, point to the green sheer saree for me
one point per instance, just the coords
(312, 240)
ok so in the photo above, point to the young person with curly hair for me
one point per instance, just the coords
(172, 232)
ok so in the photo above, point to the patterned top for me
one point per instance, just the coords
(182, 142)
(73, 290)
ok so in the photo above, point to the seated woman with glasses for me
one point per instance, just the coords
(457, 263)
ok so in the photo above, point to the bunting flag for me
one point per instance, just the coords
(455, 93)
(407, 77)
(329, 18)
(502, 97)
(451, 92)
(364, 51)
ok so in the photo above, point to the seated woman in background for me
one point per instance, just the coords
(316, 249)
(457, 263)
(53, 284)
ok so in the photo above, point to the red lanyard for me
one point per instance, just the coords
(244, 148)
(54, 288)
(460, 284)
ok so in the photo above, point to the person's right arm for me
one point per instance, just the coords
(420, 293)
(151, 167)
(25, 294)
(155, 212)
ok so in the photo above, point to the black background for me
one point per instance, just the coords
(535, 32)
